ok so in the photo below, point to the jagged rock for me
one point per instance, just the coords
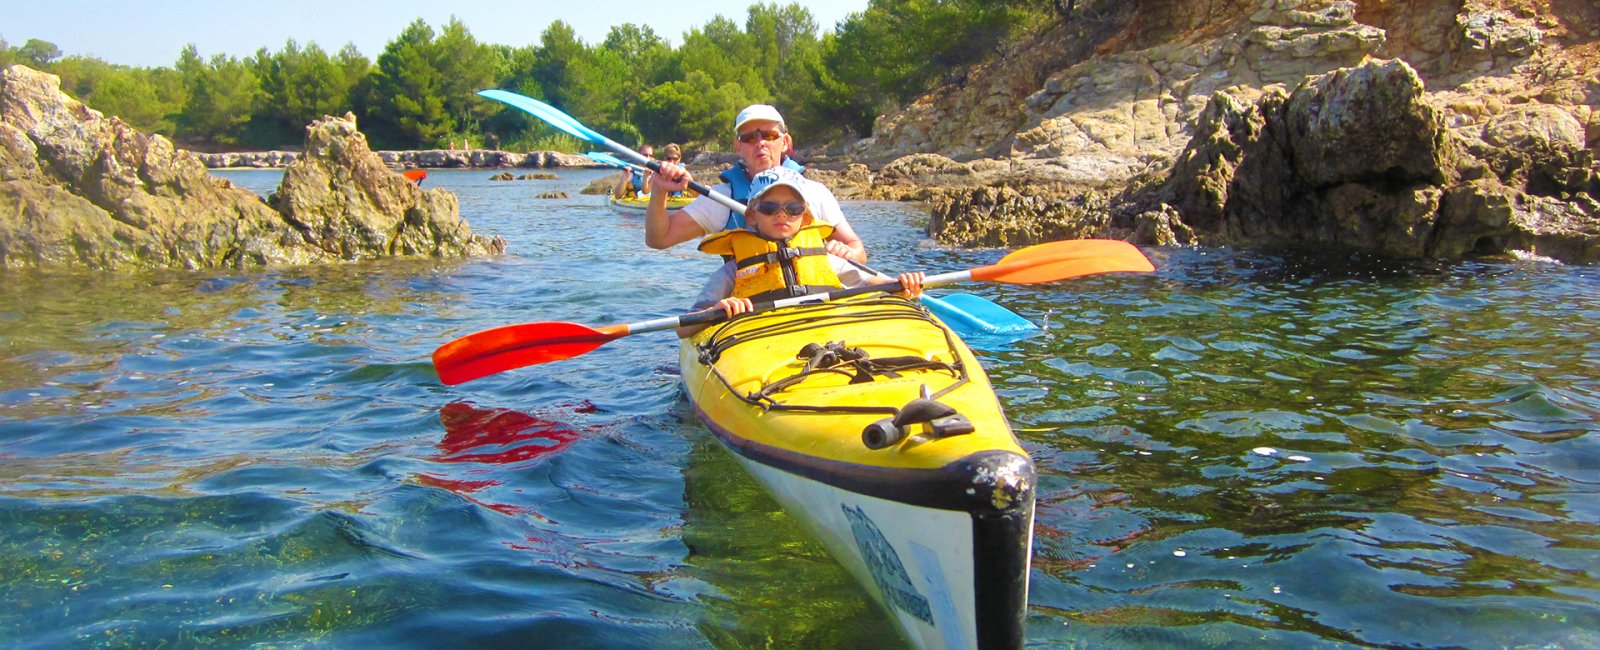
(503, 176)
(80, 189)
(537, 177)
(346, 201)
(1163, 226)
(551, 195)
(603, 185)
(1120, 92)
(1359, 159)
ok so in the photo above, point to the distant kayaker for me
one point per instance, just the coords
(779, 253)
(761, 138)
(635, 179)
(673, 154)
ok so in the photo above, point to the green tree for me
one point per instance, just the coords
(298, 86)
(130, 95)
(897, 49)
(406, 105)
(466, 67)
(696, 109)
(220, 94)
(38, 53)
(725, 54)
(594, 87)
(559, 45)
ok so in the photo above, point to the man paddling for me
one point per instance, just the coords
(761, 138)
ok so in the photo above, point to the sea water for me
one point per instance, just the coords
(1241, 450)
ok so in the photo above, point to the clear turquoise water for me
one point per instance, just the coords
(1240, 450)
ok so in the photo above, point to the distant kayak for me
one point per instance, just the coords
(640, 203)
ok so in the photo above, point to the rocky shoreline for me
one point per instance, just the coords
(411, 159)
(1433, 129)
(1437, 129)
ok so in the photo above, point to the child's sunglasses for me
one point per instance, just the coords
(771, 208)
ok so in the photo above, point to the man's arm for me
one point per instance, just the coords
(844, 241)
(664, 229)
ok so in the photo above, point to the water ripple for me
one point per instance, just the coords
(1242, 450)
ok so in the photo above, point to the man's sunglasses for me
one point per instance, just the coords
(771, 208)
(762, 134)
(672, 159)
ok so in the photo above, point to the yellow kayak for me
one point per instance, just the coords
(639, 203)
(874, 425)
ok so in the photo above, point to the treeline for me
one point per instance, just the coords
(634, 85)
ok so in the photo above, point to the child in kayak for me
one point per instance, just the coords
(780, 253)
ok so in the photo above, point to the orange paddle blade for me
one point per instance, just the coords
(481, 354)
(414, 175)
(1060, 260)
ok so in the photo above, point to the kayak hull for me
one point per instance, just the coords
(638, 205)
(937, 529)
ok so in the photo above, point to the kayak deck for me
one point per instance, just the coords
(937, 524)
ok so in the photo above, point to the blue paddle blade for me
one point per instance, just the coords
(605, 158)
(976, 314)
(546, 112)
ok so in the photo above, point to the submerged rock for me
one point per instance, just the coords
(1003, 217)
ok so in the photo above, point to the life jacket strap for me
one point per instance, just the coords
(781, 255)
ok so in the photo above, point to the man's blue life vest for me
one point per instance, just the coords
(738, 181)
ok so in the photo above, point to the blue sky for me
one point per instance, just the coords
(147, 33)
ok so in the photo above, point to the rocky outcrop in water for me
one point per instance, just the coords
(1268, 122)
(79, 189)
(345, 200)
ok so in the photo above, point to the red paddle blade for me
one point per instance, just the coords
(481, 354)
(414, 175)
(1060, 260)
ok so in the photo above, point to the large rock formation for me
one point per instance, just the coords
(1270, 122)
(79, 189)
(1359, 159)
(345, 201)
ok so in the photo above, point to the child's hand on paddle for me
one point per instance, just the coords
(735, 306)
(912, 283)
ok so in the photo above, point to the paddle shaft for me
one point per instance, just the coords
(712, 316)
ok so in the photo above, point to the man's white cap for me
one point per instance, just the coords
(756, 112)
